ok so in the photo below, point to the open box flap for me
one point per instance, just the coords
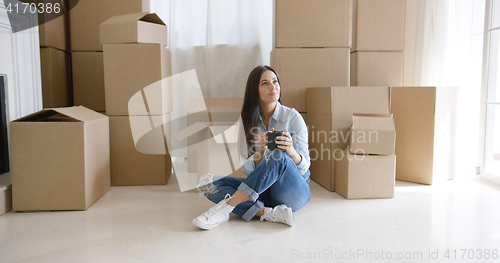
(80, 113)
(77, 114)
(144, 16)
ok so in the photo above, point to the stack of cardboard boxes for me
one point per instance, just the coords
(312, 40)
(55, 60)
(86, 50)
(138, 96)
(329, 116)
(367, 168)
(378, 43)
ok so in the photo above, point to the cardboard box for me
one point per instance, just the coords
(425, 119)
(209, 110)
(372, 134)
(377, 68)
(133, 28)
(131, 68)
(316, 23)
(299, 68)
(329, 117)
(132, 166)
(86, 16)
(56, 85)
(378, 25)
(60, 159)
(53, 28)
(219, 154)
(365, 176)
(88, 80)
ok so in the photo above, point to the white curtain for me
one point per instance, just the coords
(222, 40)
(444, 47)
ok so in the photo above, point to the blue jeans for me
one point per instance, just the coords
(276, 180)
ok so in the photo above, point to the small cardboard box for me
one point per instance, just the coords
(299, 68)
(209, 110)
(88, 80)
(85, 17)
(365, 176)
(372, 134)
(219, 154)
(56, 86)
(54, 33)
(130, 68)
(133, 28)
(316, 23)
(329, 117)
(60, 159)
(139, 152)
(426, 120)
(377, 68)
(378, 25)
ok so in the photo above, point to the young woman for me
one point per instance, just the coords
(277, 181)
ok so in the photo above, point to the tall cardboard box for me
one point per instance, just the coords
(329, 117)
(88, 80)
(129, 166)
(130, 68)
(133, 28)
(377, 68)
(372, 134)
(378, 25)
(56, 86)
(53, 28)
(299, 68)
(425, 119)
(313, 23)
(60, 159)
(86, 16)
(365, 176)
(209, 110)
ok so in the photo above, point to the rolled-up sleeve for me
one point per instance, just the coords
(300, 141)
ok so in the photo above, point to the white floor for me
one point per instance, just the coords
(153, 224)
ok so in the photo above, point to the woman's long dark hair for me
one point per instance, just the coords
(251, 110)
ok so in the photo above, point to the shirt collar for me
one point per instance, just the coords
(277, 112)
(277, 116)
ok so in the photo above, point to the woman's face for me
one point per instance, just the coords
(269, 88)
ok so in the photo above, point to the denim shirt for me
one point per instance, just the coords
(283, 119)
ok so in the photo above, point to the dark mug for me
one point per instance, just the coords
(271, 140)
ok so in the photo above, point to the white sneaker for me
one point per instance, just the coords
(214, 216)
(278, 214)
